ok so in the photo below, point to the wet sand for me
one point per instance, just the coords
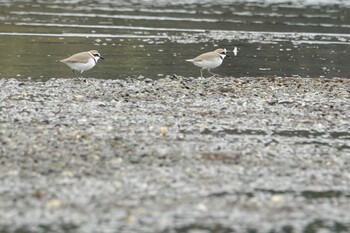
(175, 155)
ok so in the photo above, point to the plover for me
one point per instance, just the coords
(82, 61)
(209, 60)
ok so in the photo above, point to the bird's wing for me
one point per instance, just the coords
(79, 57)
(203, 56)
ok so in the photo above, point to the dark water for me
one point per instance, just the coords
(153, 38)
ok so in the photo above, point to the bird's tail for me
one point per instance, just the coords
(190, 60)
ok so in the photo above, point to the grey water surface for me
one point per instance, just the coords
(153, 38)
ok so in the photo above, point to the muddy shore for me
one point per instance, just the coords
(175, 155)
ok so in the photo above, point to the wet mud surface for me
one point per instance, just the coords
(175, 155)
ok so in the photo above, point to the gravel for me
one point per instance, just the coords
(179, 154)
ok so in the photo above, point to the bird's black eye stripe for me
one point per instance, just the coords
(96, 55)
(223, 53)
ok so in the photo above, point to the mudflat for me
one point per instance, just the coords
(179, 154)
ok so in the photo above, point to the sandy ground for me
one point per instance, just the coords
(175, 155)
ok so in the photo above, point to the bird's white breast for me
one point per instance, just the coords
(82, 66)
(209, 63)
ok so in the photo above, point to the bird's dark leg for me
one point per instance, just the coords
(81, 75)
(76, 75)
(202, 72)
(212, 73)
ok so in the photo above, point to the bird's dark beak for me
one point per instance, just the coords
(227, 55)
(101, 57)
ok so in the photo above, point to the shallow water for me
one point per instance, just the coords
(153, 38)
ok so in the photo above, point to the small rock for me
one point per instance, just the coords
(164, 131)
(53, 204)
(277, 199)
